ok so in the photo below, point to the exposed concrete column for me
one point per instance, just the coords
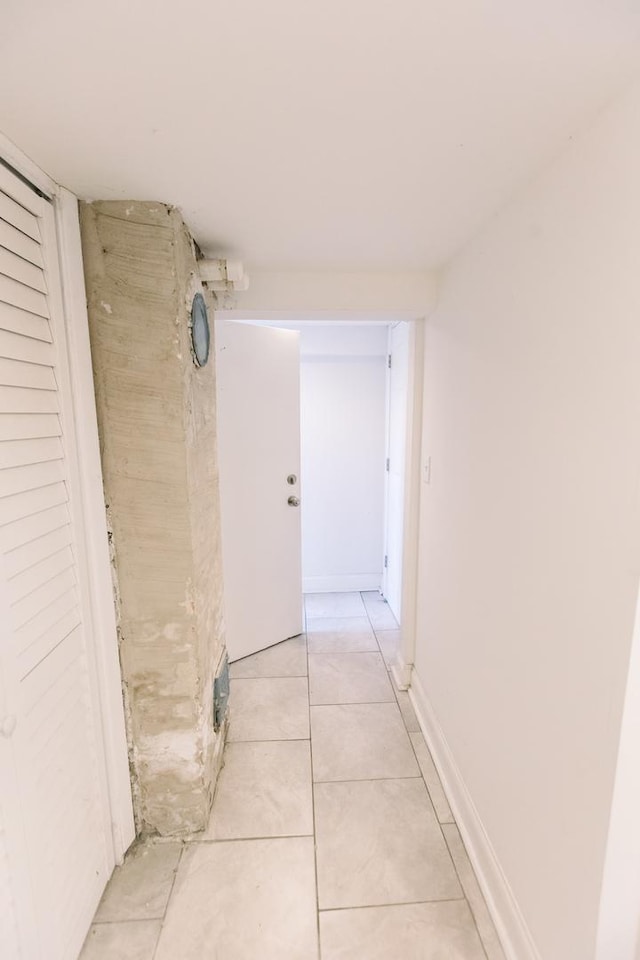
(156, 413)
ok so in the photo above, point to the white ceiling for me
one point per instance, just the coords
(363, 134)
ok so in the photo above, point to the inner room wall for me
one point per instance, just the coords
(343, 414)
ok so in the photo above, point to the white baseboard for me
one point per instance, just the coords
(401, 673)
(343, 584)
(511, 927)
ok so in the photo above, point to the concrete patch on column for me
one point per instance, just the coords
(157, 419)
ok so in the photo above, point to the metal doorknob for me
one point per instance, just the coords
(8, 725)
(293, 502)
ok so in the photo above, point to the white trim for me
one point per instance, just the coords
(342, 584)
(69, 414)
(387, 453)
(510, 925)
(412, 482)
(401, 673)
(99, 602)
(23, 165)
(619, 913)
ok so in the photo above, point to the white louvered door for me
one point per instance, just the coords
(54, 815)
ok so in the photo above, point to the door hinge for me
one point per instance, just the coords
(388, 464)
(389, 361)
(386, 561)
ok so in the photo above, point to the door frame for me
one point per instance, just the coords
(391, 366)
(89, 514)
(403, 667)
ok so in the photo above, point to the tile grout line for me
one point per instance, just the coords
(379, 629)
(468, 902)
(426, 785)
(368, 617)
(444, 836)
(274, 740)
(278, 676)
(359, 703)
(353, 703)
(166, 906)
(348, 653)
(117, 923)
(272, 836)
(396, 903)
(313, 811)
(417, 776)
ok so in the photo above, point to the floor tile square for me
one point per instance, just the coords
(241, 899)
(348, 678)
(140, 888)
(378, 842)
(340, 635)
(416, 931)
(129, 940)
(431, 778)
(486, 929)
(264, 790)
(286, 659)
(360, 741)
(389, 642)
(334, 605)
(379, 611)
(269, 709)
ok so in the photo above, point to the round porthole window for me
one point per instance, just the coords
(200, 334)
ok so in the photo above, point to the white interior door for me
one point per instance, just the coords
(56, 851)
(258, 384)
(396, 453)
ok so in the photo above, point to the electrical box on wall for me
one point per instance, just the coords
(221, 694)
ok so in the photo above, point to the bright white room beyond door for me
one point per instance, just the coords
(343, 391)
(354, 408)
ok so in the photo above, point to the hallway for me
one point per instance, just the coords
(389, 877)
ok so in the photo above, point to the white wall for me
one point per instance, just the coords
(343, 389)
(304, 293)
(530, 541)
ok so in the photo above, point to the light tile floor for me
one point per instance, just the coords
(330, 836)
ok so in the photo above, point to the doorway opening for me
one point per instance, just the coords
(349, 476)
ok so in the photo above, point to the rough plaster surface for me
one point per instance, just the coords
(157, 423)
